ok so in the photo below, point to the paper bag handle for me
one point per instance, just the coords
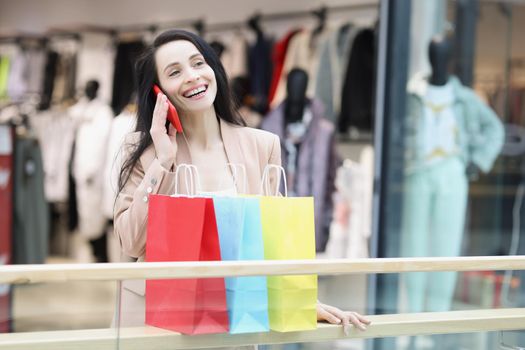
(265, 181)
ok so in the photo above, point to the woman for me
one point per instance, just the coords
(193, 79)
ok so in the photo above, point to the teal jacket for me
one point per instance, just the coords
(480, 131)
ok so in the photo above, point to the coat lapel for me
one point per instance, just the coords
(230, 140)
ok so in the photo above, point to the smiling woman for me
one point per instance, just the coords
(194, 81)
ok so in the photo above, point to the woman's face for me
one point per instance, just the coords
(185, 76)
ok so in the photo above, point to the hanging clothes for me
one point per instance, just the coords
(333, 61)
(17, 81)
(260, 71)
(64, 84)
(36, 60)
(72, 205)
(5, 63)
(358, 87)
(122, 125)
(49, 79)
(303, 53)
(94, 121)
(55, 132)
(235, 57)
(352, 225)
(447, 128)
(31, 211)
(278, 56)
(317, 161)
(124, 73)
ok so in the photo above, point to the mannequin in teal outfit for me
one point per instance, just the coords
(448, 128)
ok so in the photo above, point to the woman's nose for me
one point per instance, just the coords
(192, 75)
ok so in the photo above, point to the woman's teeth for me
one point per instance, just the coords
(195, 92)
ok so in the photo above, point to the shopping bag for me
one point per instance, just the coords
(289, 233)
(184, 229)
(240, 235)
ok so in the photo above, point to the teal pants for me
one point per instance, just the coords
(433, 219)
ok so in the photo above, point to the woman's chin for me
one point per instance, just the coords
(198, 106)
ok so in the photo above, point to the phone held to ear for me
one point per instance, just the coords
(172, 116)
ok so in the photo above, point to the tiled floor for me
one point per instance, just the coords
(63, 306)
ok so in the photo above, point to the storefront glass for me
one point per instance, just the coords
(452, 175)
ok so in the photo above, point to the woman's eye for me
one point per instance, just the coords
(173, 73)
(199, 63)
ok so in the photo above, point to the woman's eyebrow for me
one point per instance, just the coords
(176, 63)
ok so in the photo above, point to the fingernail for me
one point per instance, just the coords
(362, 327)
(346, 330)
(338, 320)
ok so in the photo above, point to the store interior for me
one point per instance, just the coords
(82, 52)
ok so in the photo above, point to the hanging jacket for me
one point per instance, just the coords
(333, 61)
(94, 121)
(480, 131)
(17, 80)
(36, 60)
(278, 56)
(31, 211)
(303, 53)
(260, 71)
(123, 75)
(235, 57)
(55, 132)
(48, 81)
(317, 162)
(357, 103)
(5, 62)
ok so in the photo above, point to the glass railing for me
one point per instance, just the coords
(75, 306)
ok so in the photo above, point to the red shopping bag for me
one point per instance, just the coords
(184, 229)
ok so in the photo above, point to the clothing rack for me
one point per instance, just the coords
(198, 24)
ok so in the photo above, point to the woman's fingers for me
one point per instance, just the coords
(323, 314)
(362, 318)
(347, 318)
(356, 321)
(159, 113)
(165, 144)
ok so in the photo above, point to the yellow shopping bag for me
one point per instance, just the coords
(289, 233)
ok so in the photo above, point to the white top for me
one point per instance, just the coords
(438, 125)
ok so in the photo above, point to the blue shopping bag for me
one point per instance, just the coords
(240, 237)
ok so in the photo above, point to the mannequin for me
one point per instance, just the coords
(92, 118)
(91, 89)
(448, 129)
(296, 99)
(308, 149)
(296, 120)
(438, 55)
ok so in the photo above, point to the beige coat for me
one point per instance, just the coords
(251, 147)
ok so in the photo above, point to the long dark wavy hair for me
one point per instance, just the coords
(146, 76)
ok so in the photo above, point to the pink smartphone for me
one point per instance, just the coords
(173, 116)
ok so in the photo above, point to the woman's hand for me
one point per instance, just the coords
(334, 315)
(164, 142)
